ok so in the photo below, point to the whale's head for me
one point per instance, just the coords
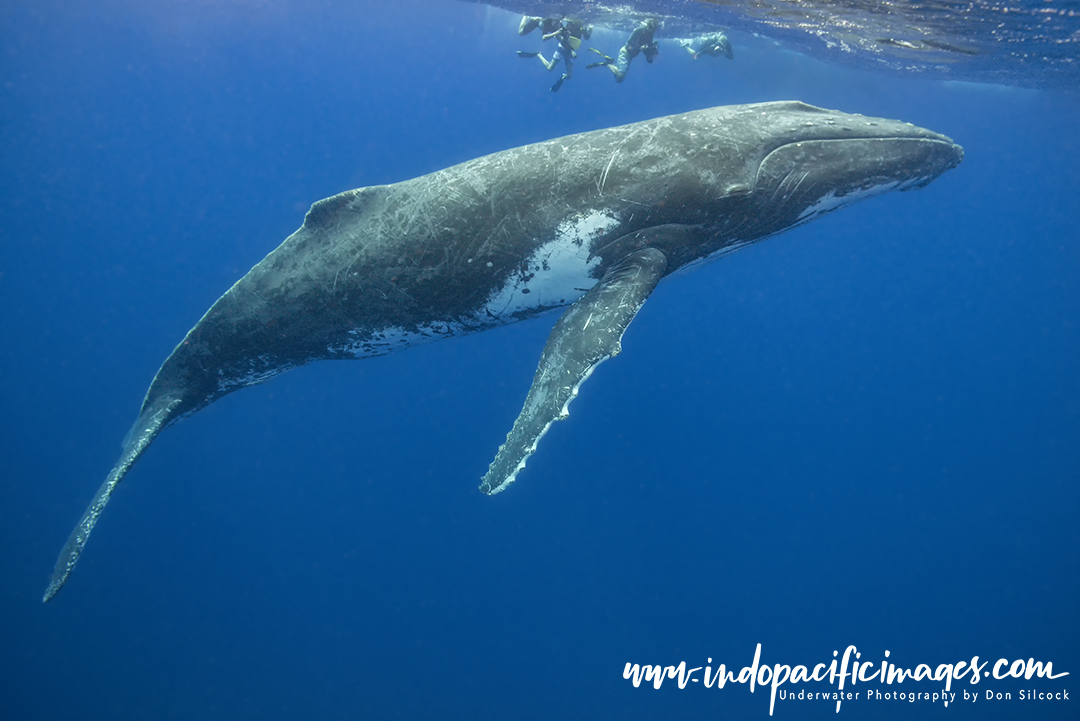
(811, 161)
(739, 174)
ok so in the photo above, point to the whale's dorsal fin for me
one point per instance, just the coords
(587, 334)
(332, 212)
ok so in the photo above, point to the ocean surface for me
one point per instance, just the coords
(862, 433)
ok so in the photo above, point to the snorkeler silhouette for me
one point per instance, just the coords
(714, 44)
(568, 33)
(640, 42)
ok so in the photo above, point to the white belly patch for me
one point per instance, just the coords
(558, 272)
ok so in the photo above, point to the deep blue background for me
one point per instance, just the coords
(865, 431)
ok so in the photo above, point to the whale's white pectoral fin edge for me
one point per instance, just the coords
(584, 337)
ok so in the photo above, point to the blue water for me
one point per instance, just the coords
(862, 432)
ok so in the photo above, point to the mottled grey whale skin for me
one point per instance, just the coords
(594, 220)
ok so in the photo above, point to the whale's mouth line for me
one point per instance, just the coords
(940, 140)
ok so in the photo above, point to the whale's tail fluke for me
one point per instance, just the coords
(151, 422)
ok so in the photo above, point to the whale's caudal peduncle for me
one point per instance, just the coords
(593, 221)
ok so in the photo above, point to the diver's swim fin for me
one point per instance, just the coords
(607, 59)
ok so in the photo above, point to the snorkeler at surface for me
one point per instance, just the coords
(568, 34)
(531, 22)
(640, 42)
(714, 44)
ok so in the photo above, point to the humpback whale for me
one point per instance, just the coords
(593, 221)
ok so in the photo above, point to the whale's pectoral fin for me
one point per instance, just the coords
(150, 423)
(587, 334)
